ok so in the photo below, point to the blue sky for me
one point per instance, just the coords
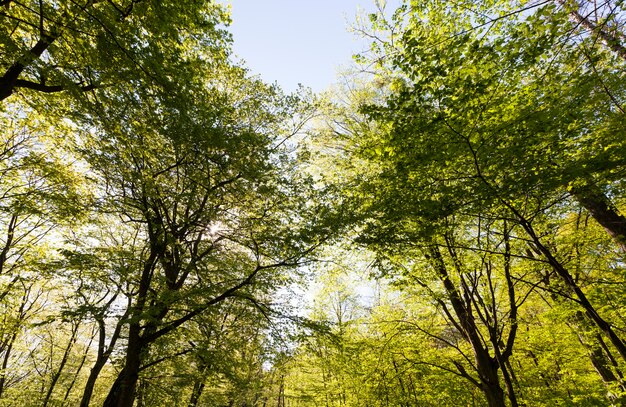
(297, 41)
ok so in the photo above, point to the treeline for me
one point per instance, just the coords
(159, 204)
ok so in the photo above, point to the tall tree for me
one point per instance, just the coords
(202, 187)
(485, 117)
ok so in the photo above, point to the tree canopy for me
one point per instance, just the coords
(446, 229)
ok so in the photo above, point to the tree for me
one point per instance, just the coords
(484, 114)
(202, 187)
(188, 160)
(85, 45)
(484, 118)
(41, 193)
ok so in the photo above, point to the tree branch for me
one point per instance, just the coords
(40, 87)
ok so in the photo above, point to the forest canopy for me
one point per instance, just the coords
(453, 212)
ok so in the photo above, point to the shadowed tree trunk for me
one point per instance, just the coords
(9, 81)
(196, 393)
(604, 212)
(104, 353)
(600, 356)
(198, 386)
(57, 374)
(590, 196)
(573, 286)
(8, 347)
(486, 366)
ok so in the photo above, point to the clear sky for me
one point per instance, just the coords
(297, 41)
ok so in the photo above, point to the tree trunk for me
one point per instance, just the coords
(604, 212)
(569, 280)
(5, 362)
(57, 374)
(9, 346)
(600, 360)
(112, 397)
(142, 388)
(494, 395)
(9, 80)
(488, 372)
(612, 42)
(400, 382)
(76, 375)
(486, 366)
(122, 393)
(600, 363)
(590, 196)
(103, 355)
(198, 388)
(508, 382)
(91, 381)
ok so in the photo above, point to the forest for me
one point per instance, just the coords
(445, 228)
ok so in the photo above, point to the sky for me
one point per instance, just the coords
(297, 41)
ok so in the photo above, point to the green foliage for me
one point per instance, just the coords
(101, 45)
(491, 115)
(479, 159)
(157, 203)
